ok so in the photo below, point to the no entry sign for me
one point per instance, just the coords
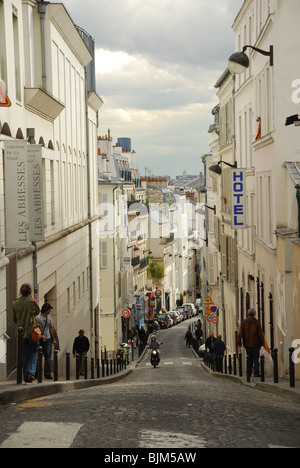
(126, 313)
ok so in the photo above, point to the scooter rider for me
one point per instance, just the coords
(154, 344)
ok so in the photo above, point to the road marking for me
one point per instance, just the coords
(42, 435)
(168, 363)
(160, 439)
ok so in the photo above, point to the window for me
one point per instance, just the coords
(3, 70)
(104, 254)
(264, 207)
(17, 55)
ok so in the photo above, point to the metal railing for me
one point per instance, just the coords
(92, 368)
(232, 364)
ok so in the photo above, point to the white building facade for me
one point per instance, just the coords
(265, 92)
(47, 66)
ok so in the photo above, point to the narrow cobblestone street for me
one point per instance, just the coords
(177, 405)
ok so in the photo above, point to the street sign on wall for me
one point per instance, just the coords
(35, 193)
(4, 99)
(126, 313)
(24, 204)
(238, 217)
(16, 199)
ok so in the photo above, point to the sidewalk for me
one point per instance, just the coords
(11, 393)
(282, 388)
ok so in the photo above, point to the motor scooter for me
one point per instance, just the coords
(154, 357)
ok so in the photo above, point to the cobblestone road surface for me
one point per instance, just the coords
(177, 405)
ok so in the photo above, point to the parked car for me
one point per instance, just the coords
(163, 320)
(182, 312)
(175, 317)
(171, 319)
(192, 307)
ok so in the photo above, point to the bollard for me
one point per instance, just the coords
(77, 367)
(98, 368)
(240, 365)
(55, 365)
(262, 368)
(102, 366)
(40, 365)
(107, 368)
(275, 362)
(20, 356)
(114, 366)
(85, 367)
(67, 366)
(249, 370)
(230, 365)
(225, 364)
(92, 368)
(234, 364)
(292, 368)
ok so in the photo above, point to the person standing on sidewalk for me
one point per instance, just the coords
(81, 347)
(46, 325)
(252, 337)
(24, 310)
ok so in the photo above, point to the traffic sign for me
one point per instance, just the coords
(214, 309)
(208, 301)
(126, 313)
(4, 99)
(208, 310)
(215, 320)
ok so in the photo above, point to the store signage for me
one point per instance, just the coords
(35, 193)
(238, 199)
(24, 204)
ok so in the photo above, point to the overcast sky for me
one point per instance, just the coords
(157, 62)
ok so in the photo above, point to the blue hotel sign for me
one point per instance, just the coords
(239, 199)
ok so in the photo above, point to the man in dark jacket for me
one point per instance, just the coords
(252, 337)
(81, 347)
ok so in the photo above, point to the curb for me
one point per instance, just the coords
(289, 393)
(17, 394)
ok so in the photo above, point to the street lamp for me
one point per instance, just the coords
(215, 169)
(239, 61)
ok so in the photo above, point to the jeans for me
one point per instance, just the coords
(47, 350)
(253, 354)
(29, 357)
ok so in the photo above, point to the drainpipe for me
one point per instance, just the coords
(31, 135)
(298, 199)
(42, 11)
(89, 210)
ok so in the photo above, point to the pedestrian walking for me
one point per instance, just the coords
(199, 333)
(188, 338)
(81, 347)
(209, 342)
(24, 310)
(218, 347)
(252, 338)
(45, 322)
(218, 350)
